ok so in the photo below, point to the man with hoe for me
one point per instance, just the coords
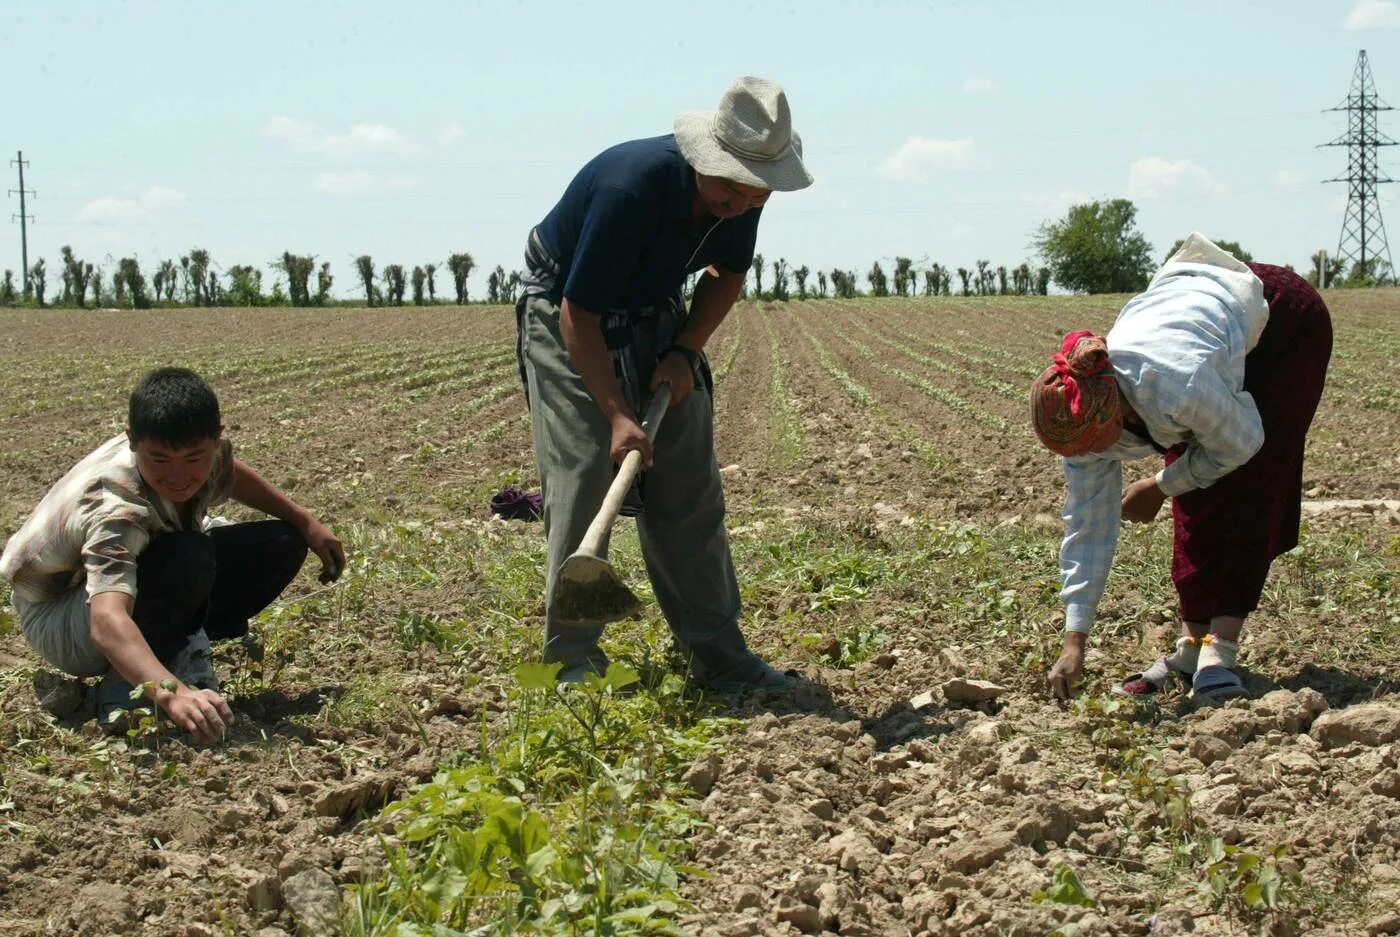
(602, 322)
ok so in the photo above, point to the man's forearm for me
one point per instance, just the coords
(258, 493)
(582, 331)
(117, 636)
(715, 293)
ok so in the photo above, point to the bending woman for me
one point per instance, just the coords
(1219, 366)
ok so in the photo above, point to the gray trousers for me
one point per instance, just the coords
(681, 529)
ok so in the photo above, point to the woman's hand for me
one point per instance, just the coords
(1142, 501)
(1065, 674)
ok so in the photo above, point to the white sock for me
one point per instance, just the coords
(1217, 652)
(1182, 660)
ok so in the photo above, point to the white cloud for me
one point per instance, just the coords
(919, 158)
(109, 209)
(1373, 14)
(360, 138)
(1154, 177)
(976, 85)
(360, 182)
(451, 134)
(1289, 178)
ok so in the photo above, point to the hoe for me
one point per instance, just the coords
(589, 593)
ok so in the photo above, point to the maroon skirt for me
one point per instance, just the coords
(1227, 535)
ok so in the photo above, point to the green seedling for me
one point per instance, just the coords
(1065, 888)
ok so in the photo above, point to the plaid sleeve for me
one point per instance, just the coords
(1226, 431)
(1093, 509)
(110, 549)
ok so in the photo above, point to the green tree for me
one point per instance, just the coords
(420, 279)
(879, 283)
(965, 275)
(757, 276)
(298, 269)
(133, 283)
(364, 265)
(903, 276)
(800, 275)
(76, 275)
(395, 282)
(1230, 247)
(780, 280)
(821, 284)
(245, 286)
(1096, 248)
(171, 277)
(185, 279)
(430, 270)
(493, 286)
(199, 273)
(984, 277)
(461, 266)
(323, 284)
(7, 289)
(36, 280)
(1372, 272)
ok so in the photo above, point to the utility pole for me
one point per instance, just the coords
(23, 224)
(1363, 242)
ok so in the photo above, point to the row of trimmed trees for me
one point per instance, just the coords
(195, 281)
(903, 280)
(1094, 248)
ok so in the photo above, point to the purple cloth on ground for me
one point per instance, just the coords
(516, 505)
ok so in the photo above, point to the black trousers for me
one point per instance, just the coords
(215, 580)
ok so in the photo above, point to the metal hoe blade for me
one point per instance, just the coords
(589, 593)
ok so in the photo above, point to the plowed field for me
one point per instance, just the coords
(895, 525)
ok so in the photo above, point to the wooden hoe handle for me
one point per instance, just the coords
(626, 472)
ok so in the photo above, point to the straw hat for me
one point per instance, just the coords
(749, 139)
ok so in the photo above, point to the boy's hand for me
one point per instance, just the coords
(202, 713)
(327, 547)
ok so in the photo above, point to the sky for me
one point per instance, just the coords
(947, 132)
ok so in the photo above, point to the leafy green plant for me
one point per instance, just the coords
(1244, 883)
(569, 822)
(1065, 888)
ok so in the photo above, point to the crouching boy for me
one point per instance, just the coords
(115, 576)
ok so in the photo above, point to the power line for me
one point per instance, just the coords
(24, 219)
(1362, 241)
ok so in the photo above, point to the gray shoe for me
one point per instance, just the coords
(60, 695)
(1216, 685)
(578, 673)
(752, 676)
(193, 666)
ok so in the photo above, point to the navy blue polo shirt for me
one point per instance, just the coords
(625, 234)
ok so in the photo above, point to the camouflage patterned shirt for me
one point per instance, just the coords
(93, 524)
